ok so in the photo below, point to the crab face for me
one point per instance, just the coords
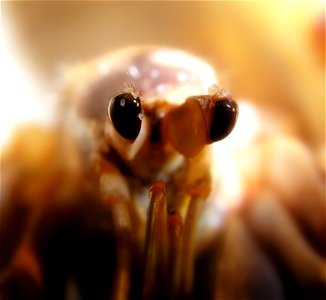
(188, 127)
(163, 114)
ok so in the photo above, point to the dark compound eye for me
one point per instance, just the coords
(224, 118)
(125, 113)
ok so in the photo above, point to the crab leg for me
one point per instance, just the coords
(188, 243)
(195, 183)
(115, 195)
(155, 240)
(175, 231)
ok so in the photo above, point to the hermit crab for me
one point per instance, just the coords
(125, 176)
(111, 201)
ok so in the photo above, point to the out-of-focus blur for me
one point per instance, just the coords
(265, 216)
(269, 52)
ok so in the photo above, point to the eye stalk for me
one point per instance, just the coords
(125, 113)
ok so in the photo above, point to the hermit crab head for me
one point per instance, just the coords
(167, 103)
(156, 105)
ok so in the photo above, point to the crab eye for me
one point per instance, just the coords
(125, 113)
(224, 118)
